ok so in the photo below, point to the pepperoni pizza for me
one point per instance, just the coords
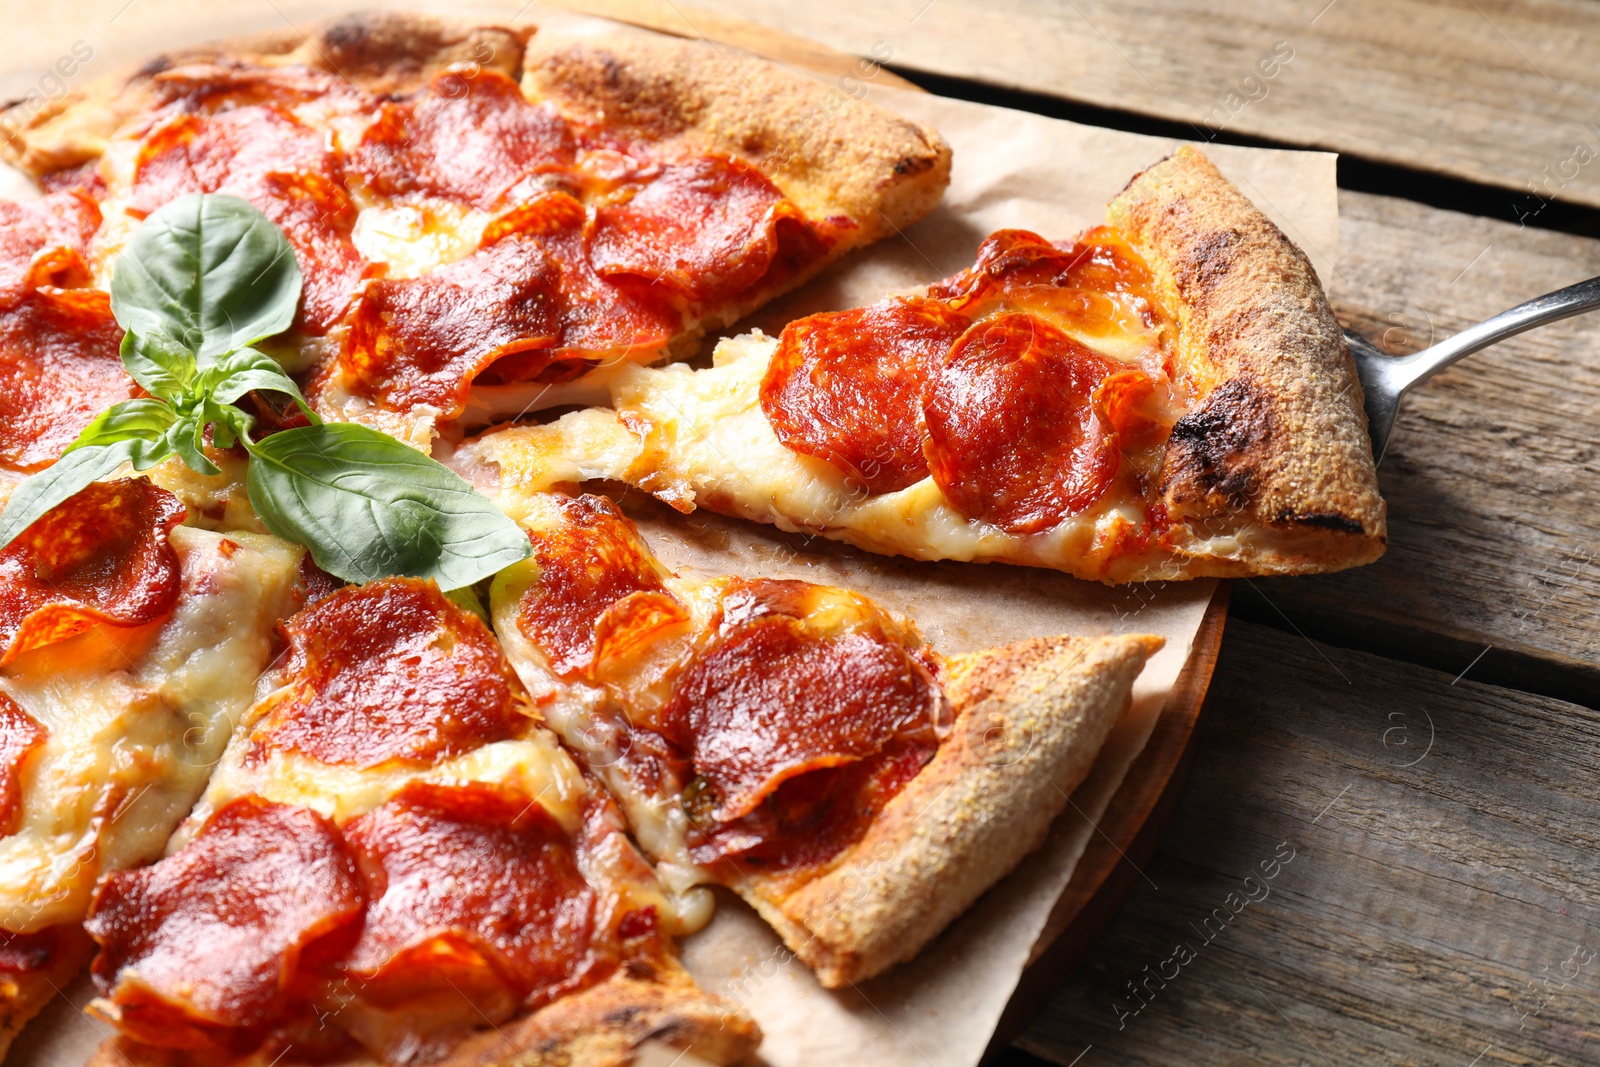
(400, 827)
(1167, 396)
(478, 212)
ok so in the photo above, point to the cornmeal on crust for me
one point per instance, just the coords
(1281, 439)
(1030, 719)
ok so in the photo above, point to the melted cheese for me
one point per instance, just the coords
(135, 727)
(589, 723)
(531, 764)
(706, 441)
(217, 502)
(416, 237)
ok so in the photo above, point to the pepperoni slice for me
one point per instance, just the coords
(20, 734)
(469, 137)
(632, 629)
(772, 698)
(846, 387)
(227, 152)
(60, 366)
(318, 219)
(710, 228)
(526, 302)
(42, 242)
(473, 886)
(1012, 435)
(421, 341)
(609, 319)
(1129, 402)
(813, 817)
(40, 950)
(587, 564)
(1103, 260)
(1006, 257)
(281, 165)
(214, 936)
(390, 670)
(99, 557)
(211, 87)
(1100, 260)
(85, 177)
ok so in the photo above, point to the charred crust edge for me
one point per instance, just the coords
(1213, 447)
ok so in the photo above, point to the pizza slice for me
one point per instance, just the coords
(481, 212)
(396, 862)
(1168, 396)
(796, 743)
(129, 646)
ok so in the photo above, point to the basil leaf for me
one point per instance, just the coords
(158, 362)
(187, 437)
(238, 373)
(211, 272)
(228, 424)
(71, 473)
(368, 506)
(143, 419)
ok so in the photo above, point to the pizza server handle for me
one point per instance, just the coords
(1388, 378)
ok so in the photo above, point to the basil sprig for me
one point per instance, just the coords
(203, 280)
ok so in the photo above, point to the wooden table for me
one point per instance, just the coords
(1420, 736)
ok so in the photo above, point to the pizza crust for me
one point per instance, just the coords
(1030, 719)
(1278, 444)
(602, 1026)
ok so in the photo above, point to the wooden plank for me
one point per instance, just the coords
(1442, 839)
(1495, 91)
(1493, 474)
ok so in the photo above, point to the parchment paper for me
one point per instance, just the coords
(1011, 170)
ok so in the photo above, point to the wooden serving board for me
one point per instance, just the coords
(1135, 821)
